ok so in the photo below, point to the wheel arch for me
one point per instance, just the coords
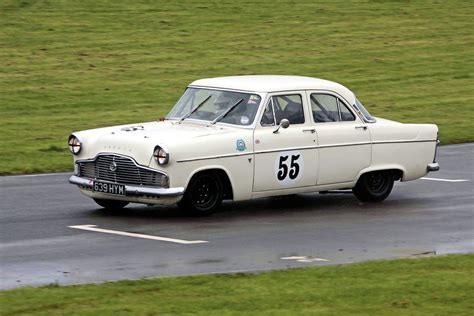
(222, 173)
(398, 170)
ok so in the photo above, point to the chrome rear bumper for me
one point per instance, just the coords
(434, 166)
(130, 190)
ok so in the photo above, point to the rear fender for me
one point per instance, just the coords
(383, 167)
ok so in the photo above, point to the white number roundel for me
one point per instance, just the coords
(289, 167)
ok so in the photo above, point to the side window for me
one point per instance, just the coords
(346, 114)
(289, 107)
(328, 108)
(324, 108)
(283, 106)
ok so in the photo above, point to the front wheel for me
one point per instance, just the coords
(374, 186)
(111, 204)
(203, 196)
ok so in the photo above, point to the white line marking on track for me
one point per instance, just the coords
(313, 260)
(294, 258)
(444, 180)
(304, 259)
(93, 228)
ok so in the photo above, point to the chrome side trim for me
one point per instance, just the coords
(311, 147)
(284, 149)
(214, 157)
(306, 148)
(129, 189)
(345, 145)
(403, 141)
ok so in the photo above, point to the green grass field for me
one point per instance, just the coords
(74, 65)
(425, 286)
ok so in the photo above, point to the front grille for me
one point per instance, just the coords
(126, 171)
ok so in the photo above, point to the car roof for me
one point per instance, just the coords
(274, 83)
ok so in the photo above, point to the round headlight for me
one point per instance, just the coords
(161, 156)
(75, 145)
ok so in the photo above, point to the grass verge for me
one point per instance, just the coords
(72, 65)
(423, 286)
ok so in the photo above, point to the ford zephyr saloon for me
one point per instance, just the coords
(247, 137)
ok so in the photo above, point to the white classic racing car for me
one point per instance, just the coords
(246, 137)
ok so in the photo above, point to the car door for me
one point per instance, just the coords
(285, 158)
(343, 138)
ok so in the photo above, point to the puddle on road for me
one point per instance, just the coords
(424, 254)
(441, 249)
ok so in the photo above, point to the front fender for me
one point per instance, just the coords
(239, 171)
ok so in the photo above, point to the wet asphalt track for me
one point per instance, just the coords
(37, 246)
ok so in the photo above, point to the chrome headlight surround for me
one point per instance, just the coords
(75, 145)
(161, 155)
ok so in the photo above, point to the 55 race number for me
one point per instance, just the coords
(291, 171)
(289, 167)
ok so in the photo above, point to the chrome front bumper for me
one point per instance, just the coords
(136, 191)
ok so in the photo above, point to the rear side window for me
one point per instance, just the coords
(328, 108)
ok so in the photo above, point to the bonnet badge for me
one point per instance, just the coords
(113, 166)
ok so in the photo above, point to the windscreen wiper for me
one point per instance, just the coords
(185, 116)
(220, 117)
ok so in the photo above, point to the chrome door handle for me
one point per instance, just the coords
(361, 127)
(312, 130)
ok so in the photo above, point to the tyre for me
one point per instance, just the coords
(111, 204)
(374, 186)
(203, 195)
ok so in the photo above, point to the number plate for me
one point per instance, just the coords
(110, 188)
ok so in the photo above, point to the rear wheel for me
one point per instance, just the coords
(374, 186)
(111, 204)
(203, 195)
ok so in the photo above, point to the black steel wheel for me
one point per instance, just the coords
(374, 186)
(203, 195)
(111, 204)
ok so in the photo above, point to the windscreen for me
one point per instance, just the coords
(216, 106)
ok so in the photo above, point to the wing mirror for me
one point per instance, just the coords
(284, 123)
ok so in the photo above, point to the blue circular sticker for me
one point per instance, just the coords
(241, 145)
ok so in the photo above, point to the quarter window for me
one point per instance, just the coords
(268, 119)
(328, 108)
(346, 114)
